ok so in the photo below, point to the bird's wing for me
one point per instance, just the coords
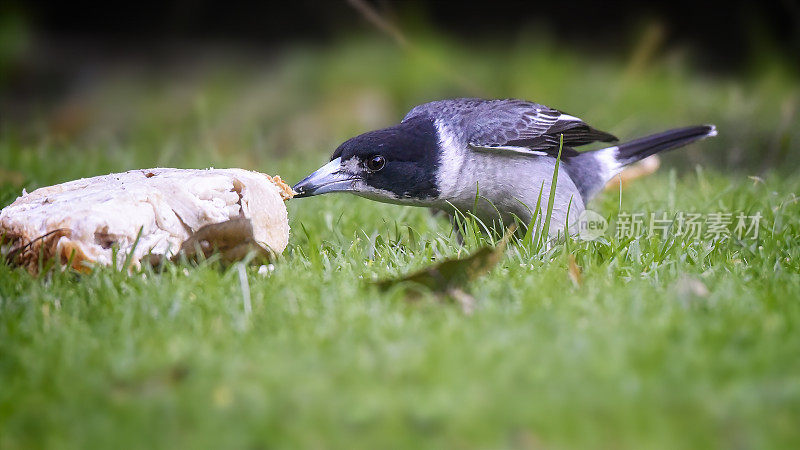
(531, 126)
(513, 125)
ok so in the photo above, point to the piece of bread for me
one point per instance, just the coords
(139, 212)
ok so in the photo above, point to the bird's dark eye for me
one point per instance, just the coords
(376, 163)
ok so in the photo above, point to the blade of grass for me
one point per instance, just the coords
(129, 256)
(551, 200)
(534, 223)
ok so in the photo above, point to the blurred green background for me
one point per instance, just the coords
(206, 85)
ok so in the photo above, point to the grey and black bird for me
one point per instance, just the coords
(494, 158)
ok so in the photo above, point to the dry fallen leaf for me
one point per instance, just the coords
(575, 273)
(232, 239)
(450, 277)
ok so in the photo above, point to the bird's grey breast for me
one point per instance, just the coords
(503, 184)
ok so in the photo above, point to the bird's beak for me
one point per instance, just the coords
(329, 178)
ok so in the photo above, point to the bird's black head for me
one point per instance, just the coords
(396, 164)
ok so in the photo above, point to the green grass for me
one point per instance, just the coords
(663, 344)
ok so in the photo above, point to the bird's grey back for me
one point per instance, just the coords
(510, 122)
(521, 124)
(487, 120)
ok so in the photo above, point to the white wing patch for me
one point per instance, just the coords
(506, 148)
(568, 118)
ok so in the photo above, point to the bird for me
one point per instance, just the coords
(492, 158)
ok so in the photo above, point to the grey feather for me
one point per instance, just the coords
(511, 123)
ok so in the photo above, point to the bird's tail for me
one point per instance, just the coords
(608, 162)
(641, 148)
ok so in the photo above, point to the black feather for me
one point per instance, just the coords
(641, 148)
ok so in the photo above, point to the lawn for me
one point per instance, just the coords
(652, 342)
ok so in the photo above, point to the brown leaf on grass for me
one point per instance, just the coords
(575, 273)
(233, 239)
(451, 276)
